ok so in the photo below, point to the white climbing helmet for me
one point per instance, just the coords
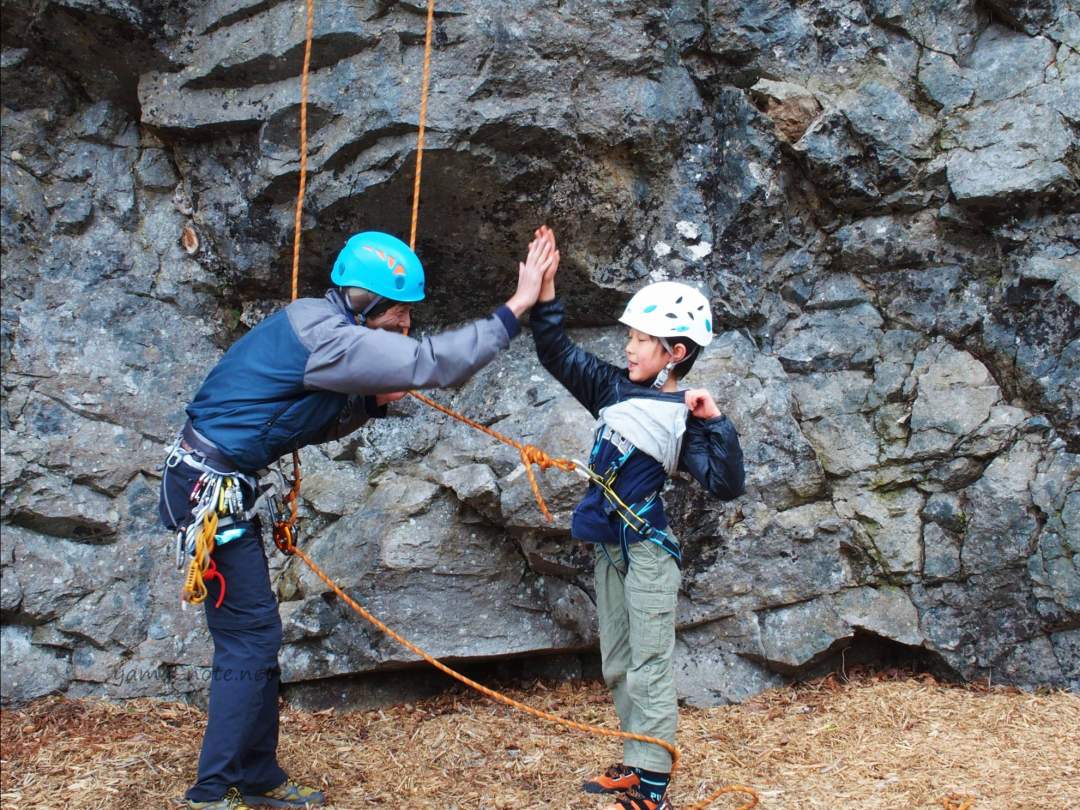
(670, 309)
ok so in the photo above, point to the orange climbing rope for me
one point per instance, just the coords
(284, 530)
(530, 454)
(423, 123)
(508, 701)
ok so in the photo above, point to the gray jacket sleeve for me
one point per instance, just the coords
(352, 359)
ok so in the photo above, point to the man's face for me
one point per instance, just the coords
(396, 319)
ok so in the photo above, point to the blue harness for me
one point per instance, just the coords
(632, 515)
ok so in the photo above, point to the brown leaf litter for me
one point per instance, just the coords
(884, 740)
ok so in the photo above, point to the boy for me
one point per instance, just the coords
(646, 430)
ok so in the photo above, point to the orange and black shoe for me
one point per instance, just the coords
(633, 799)
(616, 779)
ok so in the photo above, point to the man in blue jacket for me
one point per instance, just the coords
(313, 372)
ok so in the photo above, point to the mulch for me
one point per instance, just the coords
(878, 740)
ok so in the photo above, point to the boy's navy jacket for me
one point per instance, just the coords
(309, 373)
(710, 450)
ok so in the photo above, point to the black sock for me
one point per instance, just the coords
(653, 784)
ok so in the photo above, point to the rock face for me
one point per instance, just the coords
(881, 199)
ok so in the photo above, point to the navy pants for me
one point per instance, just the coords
(240, 744)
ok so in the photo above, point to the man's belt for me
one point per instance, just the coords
(194, 442)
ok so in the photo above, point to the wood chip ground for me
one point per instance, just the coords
(881, 740)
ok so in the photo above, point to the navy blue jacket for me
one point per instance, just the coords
(309, 373)
(710, 450)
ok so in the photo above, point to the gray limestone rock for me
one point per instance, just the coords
(891, 242)
(793, 637)
(845, 443)
(1066, 646)
(709, 677)
(1001, 528)
(838, 163)
(955, 393)
(885, 611)
(30, 671)
(935, 300)
(882, 115)
(944, 81)
(937, 25)
(829, 340)
(879, 200)
(1007, 63)
(891, 531)
(838, 291)
(941, 553)
(1010, 149)
(1032, 331)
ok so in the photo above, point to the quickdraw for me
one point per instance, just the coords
(285, 531)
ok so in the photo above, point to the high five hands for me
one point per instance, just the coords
(542, 259)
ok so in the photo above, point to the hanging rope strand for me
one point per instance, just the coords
(424, 84)
(309, 30)
(293, 497)
(530, 454)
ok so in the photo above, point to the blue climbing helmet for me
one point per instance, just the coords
(382, 264)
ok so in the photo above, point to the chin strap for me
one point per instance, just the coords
(362, 315)
(665, 372)
(662, 377)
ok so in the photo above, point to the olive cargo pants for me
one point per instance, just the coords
(636, 613)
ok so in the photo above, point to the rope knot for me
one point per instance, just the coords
(531, 454)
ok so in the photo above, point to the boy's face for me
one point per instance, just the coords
(645, 356)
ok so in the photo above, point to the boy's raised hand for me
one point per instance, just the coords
(531, 275)
(547, 291)
(701, 404)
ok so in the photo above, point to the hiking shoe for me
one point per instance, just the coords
(287, 794)
(232, 801)
(634, 800)
(616, 779)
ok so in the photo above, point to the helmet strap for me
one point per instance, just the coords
(362, 316)
(665, 372)
(662, 377)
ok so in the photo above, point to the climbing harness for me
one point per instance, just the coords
(216, 504)
(632, 515)
(284, 528)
